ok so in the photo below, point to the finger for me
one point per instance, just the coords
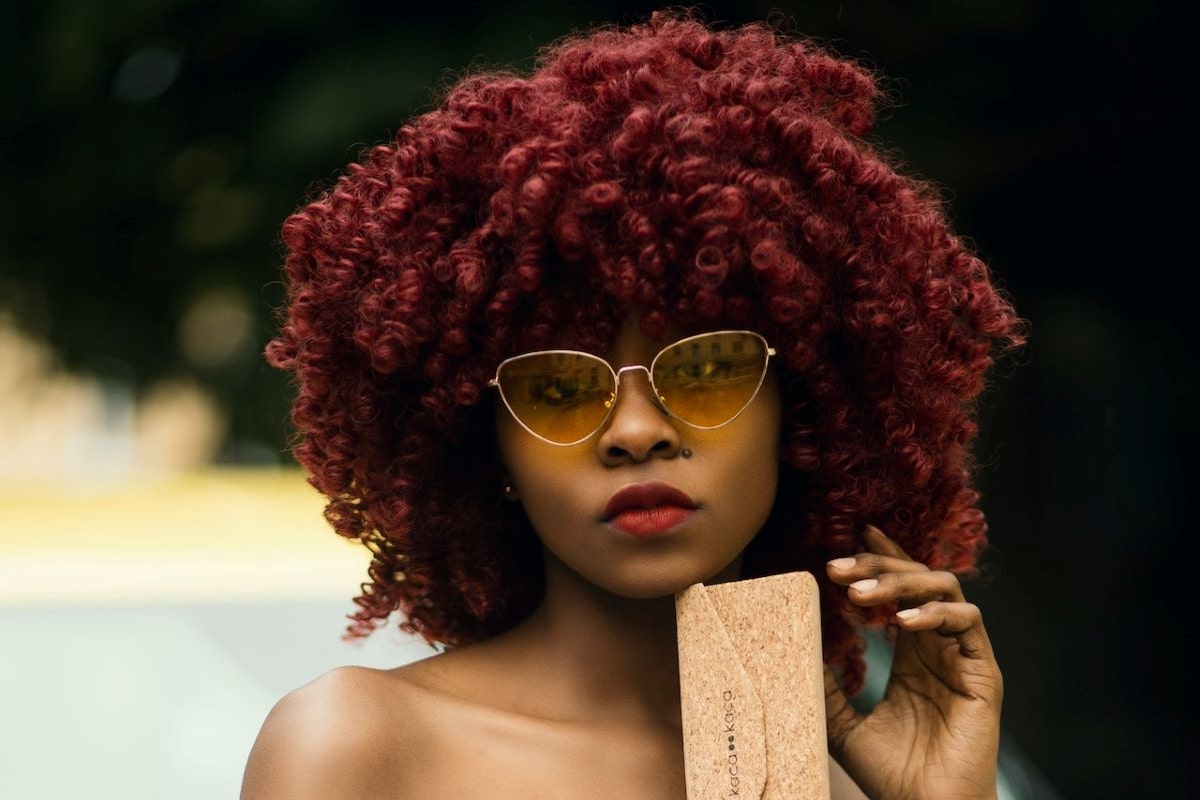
(961, 621)
(869, 565)
(882, 555)
(877, 541)
(906, 588)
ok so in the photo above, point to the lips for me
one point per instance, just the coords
(644, 509)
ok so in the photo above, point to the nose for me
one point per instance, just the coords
(638, 427)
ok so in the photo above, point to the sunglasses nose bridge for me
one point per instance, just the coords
(635, 367)
(649, 383)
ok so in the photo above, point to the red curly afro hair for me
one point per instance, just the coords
(709, 178)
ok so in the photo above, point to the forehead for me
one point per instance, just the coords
(633, 347)
(621, 343)
(602, 334)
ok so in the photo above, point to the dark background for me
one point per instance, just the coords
(151, 149)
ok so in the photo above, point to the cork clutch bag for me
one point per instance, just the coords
(752, 689)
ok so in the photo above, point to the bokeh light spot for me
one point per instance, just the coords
(218, 217)
(216, 328)
(147, 73)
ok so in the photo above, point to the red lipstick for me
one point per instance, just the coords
(646, 509)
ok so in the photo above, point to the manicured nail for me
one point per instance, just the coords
(908, 613)
(843, 563)
(873, 528)
(865, 585)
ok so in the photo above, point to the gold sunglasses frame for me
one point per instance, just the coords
(617, 373)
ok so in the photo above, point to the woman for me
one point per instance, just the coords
(453, 300)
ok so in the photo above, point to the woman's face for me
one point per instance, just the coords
(730, 479)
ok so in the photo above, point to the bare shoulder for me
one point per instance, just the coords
(333, 738)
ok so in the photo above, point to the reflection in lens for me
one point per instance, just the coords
(707, 380)
(561, 396)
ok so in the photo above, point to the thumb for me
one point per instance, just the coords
(840, 717)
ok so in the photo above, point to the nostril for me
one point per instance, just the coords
(616, 453)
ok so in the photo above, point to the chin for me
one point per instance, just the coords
(665, 583)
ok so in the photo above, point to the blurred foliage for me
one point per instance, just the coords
(151, 149)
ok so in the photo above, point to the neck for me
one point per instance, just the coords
(618, 654)
(603, 656)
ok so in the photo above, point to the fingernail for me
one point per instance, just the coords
(908, 613)
(865, 585)
(873, 528)
(842, 563)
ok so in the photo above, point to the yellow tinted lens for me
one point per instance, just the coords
(561, 396)
(707, 380)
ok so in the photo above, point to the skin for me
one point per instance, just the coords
(732, 477)
(581, 700)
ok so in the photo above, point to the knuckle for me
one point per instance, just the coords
(917, 584)
(948, 583)
(867, 562)
(944, 576)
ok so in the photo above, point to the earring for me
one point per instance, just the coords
(510, 493)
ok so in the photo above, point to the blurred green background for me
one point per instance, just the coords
(151, 149)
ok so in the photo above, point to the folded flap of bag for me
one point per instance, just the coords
(766, 631)
(725, 750)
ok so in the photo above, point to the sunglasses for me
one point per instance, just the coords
(564, 396)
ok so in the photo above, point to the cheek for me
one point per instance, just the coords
(756, 482)
(519, 458)
(757, 462)
(544, 475)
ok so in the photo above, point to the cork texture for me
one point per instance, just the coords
(752, 689)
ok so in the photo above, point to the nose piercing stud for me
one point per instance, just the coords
(685, 453)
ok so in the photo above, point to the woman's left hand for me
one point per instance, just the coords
(936, 733)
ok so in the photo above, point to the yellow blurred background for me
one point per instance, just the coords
(208, 534)
(109, 499)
